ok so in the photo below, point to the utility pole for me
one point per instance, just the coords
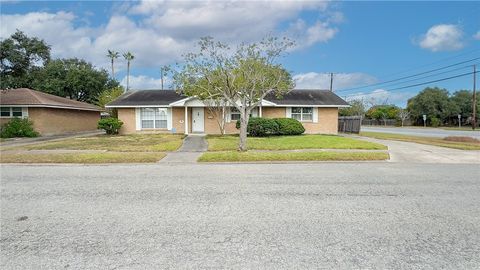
(474, 102)
(331, 82)
(161, 76)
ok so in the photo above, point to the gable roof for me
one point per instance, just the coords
(308, 97)
(31, 98)
(296, 97)
(147, 97)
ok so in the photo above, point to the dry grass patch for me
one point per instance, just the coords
(452, 142)
(105, 157)
(234, 156)
(119, 143)
(227, 143)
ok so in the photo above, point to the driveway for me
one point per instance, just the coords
(425, 132)
(241, 216)
(407, 152)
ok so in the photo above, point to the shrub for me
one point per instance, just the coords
(289, 126)
(261, 127)
(435, 122)
(110, 125)
(18, 127)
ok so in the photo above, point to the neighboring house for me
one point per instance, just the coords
(50, 114)
(167, 111)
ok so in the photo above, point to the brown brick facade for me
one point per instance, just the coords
(52, 121)
(327, 120)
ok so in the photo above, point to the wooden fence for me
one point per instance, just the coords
(349, 124)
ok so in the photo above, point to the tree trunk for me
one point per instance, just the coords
(128, 74)
(244, 114)
(113, 70)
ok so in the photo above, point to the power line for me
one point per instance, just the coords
(429, 76)
(432, 63)
(410, 76)
(418, 84)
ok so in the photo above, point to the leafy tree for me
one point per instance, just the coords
(73, 78)
(21, 55)
(242, 77)
(357, 108)
(434, 102)
(109, 95)
(463, 100)
(113, 55)
(129, 57)
(382, 112)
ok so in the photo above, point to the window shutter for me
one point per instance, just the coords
(255, 112)
(228, 118)
(288, 112)
(169, 119)
(24, 112)
(315, 115)
(138, 122)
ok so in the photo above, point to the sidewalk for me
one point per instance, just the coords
(192, 148)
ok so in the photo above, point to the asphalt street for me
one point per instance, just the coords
(425, 132)
(375, 215)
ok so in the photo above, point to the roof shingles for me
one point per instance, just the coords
(28, 97)
(294, 97)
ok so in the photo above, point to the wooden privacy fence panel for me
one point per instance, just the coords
(349, 124)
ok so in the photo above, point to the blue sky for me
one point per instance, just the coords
(361, 42)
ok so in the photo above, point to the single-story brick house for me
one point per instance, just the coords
(50, 114)
(168, 111)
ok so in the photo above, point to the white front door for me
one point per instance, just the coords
(197, 120)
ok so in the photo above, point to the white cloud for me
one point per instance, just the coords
(305, 35)
(145, 82)
(313, 80)
(477, 36)
(382, 96)
(442, 37)
(164, 30)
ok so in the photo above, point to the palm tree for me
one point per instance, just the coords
(164, 71)
(113, 55)
(129, 57)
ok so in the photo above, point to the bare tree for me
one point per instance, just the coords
(403, 114)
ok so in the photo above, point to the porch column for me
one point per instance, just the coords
(260, 110)
(186, 120)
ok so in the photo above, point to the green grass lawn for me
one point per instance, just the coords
(105, 157)
(118, 143)
(226, 143)
(234, 156)
(423, 140)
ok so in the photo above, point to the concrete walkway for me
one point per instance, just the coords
(193, 146)
(407, 152)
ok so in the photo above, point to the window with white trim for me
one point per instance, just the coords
(155, 118)
(235, 113)
(11, 112)
(302, 114)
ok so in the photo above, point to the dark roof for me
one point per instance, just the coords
(307, 97)
(147, 97)
(28, 97)
(294, 97)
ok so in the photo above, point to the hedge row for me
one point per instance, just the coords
(261, 127)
